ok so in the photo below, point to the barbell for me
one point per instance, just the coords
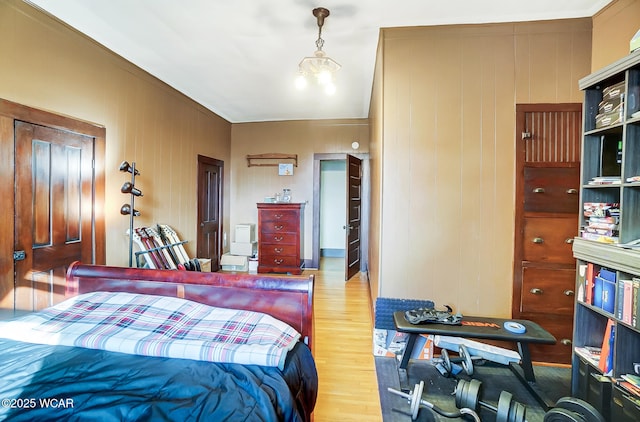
(507, 410)
(465, 359)
(415, 401)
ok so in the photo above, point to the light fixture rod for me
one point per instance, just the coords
(320, 13)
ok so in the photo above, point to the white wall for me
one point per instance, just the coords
(332, 203)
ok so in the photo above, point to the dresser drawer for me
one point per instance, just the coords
(549, 240)
(561, 327)
(275, 262)
(551, 189)
(279, 216)
(547, 290)
(279, 227)
(278, 249)
(278, 239)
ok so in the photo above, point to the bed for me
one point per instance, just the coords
(115, 371)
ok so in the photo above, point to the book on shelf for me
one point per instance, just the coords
(589, 279)
(582, 283)
(633, 179)
(590, 354)
(633, 379)
(605, 180)
(606, 355)
(601, 209)
(599, 237)
(627, 300)
(634, 301)
(629, 388)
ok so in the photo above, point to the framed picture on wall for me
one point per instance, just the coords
(285, 169)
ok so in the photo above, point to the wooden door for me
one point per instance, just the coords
(54, 211)
(210, 173)
(546, 221)
(354, 216)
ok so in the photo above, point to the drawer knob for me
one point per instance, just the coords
(538, 190)
(569, 293)
(277, 250)
(278, 238)
(278, 261)
(572, 191)
(569, 240)
(277, 216)
(278, 227)
(565, 342)
(538, 240)
(536, 291)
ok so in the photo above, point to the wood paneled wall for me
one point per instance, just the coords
(447, 145)
(47, 65)
(613, 28)
(302, 137)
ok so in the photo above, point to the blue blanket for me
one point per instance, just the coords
(58, 383)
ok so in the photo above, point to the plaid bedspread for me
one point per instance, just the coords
(157, 326)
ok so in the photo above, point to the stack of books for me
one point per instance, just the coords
(601, 221)
(631, 384)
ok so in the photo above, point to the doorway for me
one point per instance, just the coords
(340, 210)
(209, 244)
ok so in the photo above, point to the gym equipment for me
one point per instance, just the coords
(508, 410)
(415, 401)
(433, 315)
(446, 365)
(571, 409)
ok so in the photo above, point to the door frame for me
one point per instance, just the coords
(11, 112)
(364, 227)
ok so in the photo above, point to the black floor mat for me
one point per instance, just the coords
(555, 382)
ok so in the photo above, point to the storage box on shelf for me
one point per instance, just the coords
(606, 336)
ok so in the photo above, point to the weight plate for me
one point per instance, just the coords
(467, 362)
(461, 387)
(561, 415)
(519, 412)
(416, 397)
(468, 394)
(581, 407)
(504, 406)
(446, 362)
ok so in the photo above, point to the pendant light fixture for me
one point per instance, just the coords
(318, 68)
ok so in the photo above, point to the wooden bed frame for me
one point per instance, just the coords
(287, 298)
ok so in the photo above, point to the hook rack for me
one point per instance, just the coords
(128, 209)
(271, 158)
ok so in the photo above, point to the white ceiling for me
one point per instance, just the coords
(239, 58)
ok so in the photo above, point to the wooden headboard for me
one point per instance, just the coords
(287, 298)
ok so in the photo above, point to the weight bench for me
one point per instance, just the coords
(489, 329)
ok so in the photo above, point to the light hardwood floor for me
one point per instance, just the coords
(348, 388)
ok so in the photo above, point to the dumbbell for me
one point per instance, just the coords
(508, 410)
(465, 359)
(571, 409)
(415, 402)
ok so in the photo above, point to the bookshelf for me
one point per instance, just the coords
(607, 259)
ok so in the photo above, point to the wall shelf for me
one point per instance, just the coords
(271, 160)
